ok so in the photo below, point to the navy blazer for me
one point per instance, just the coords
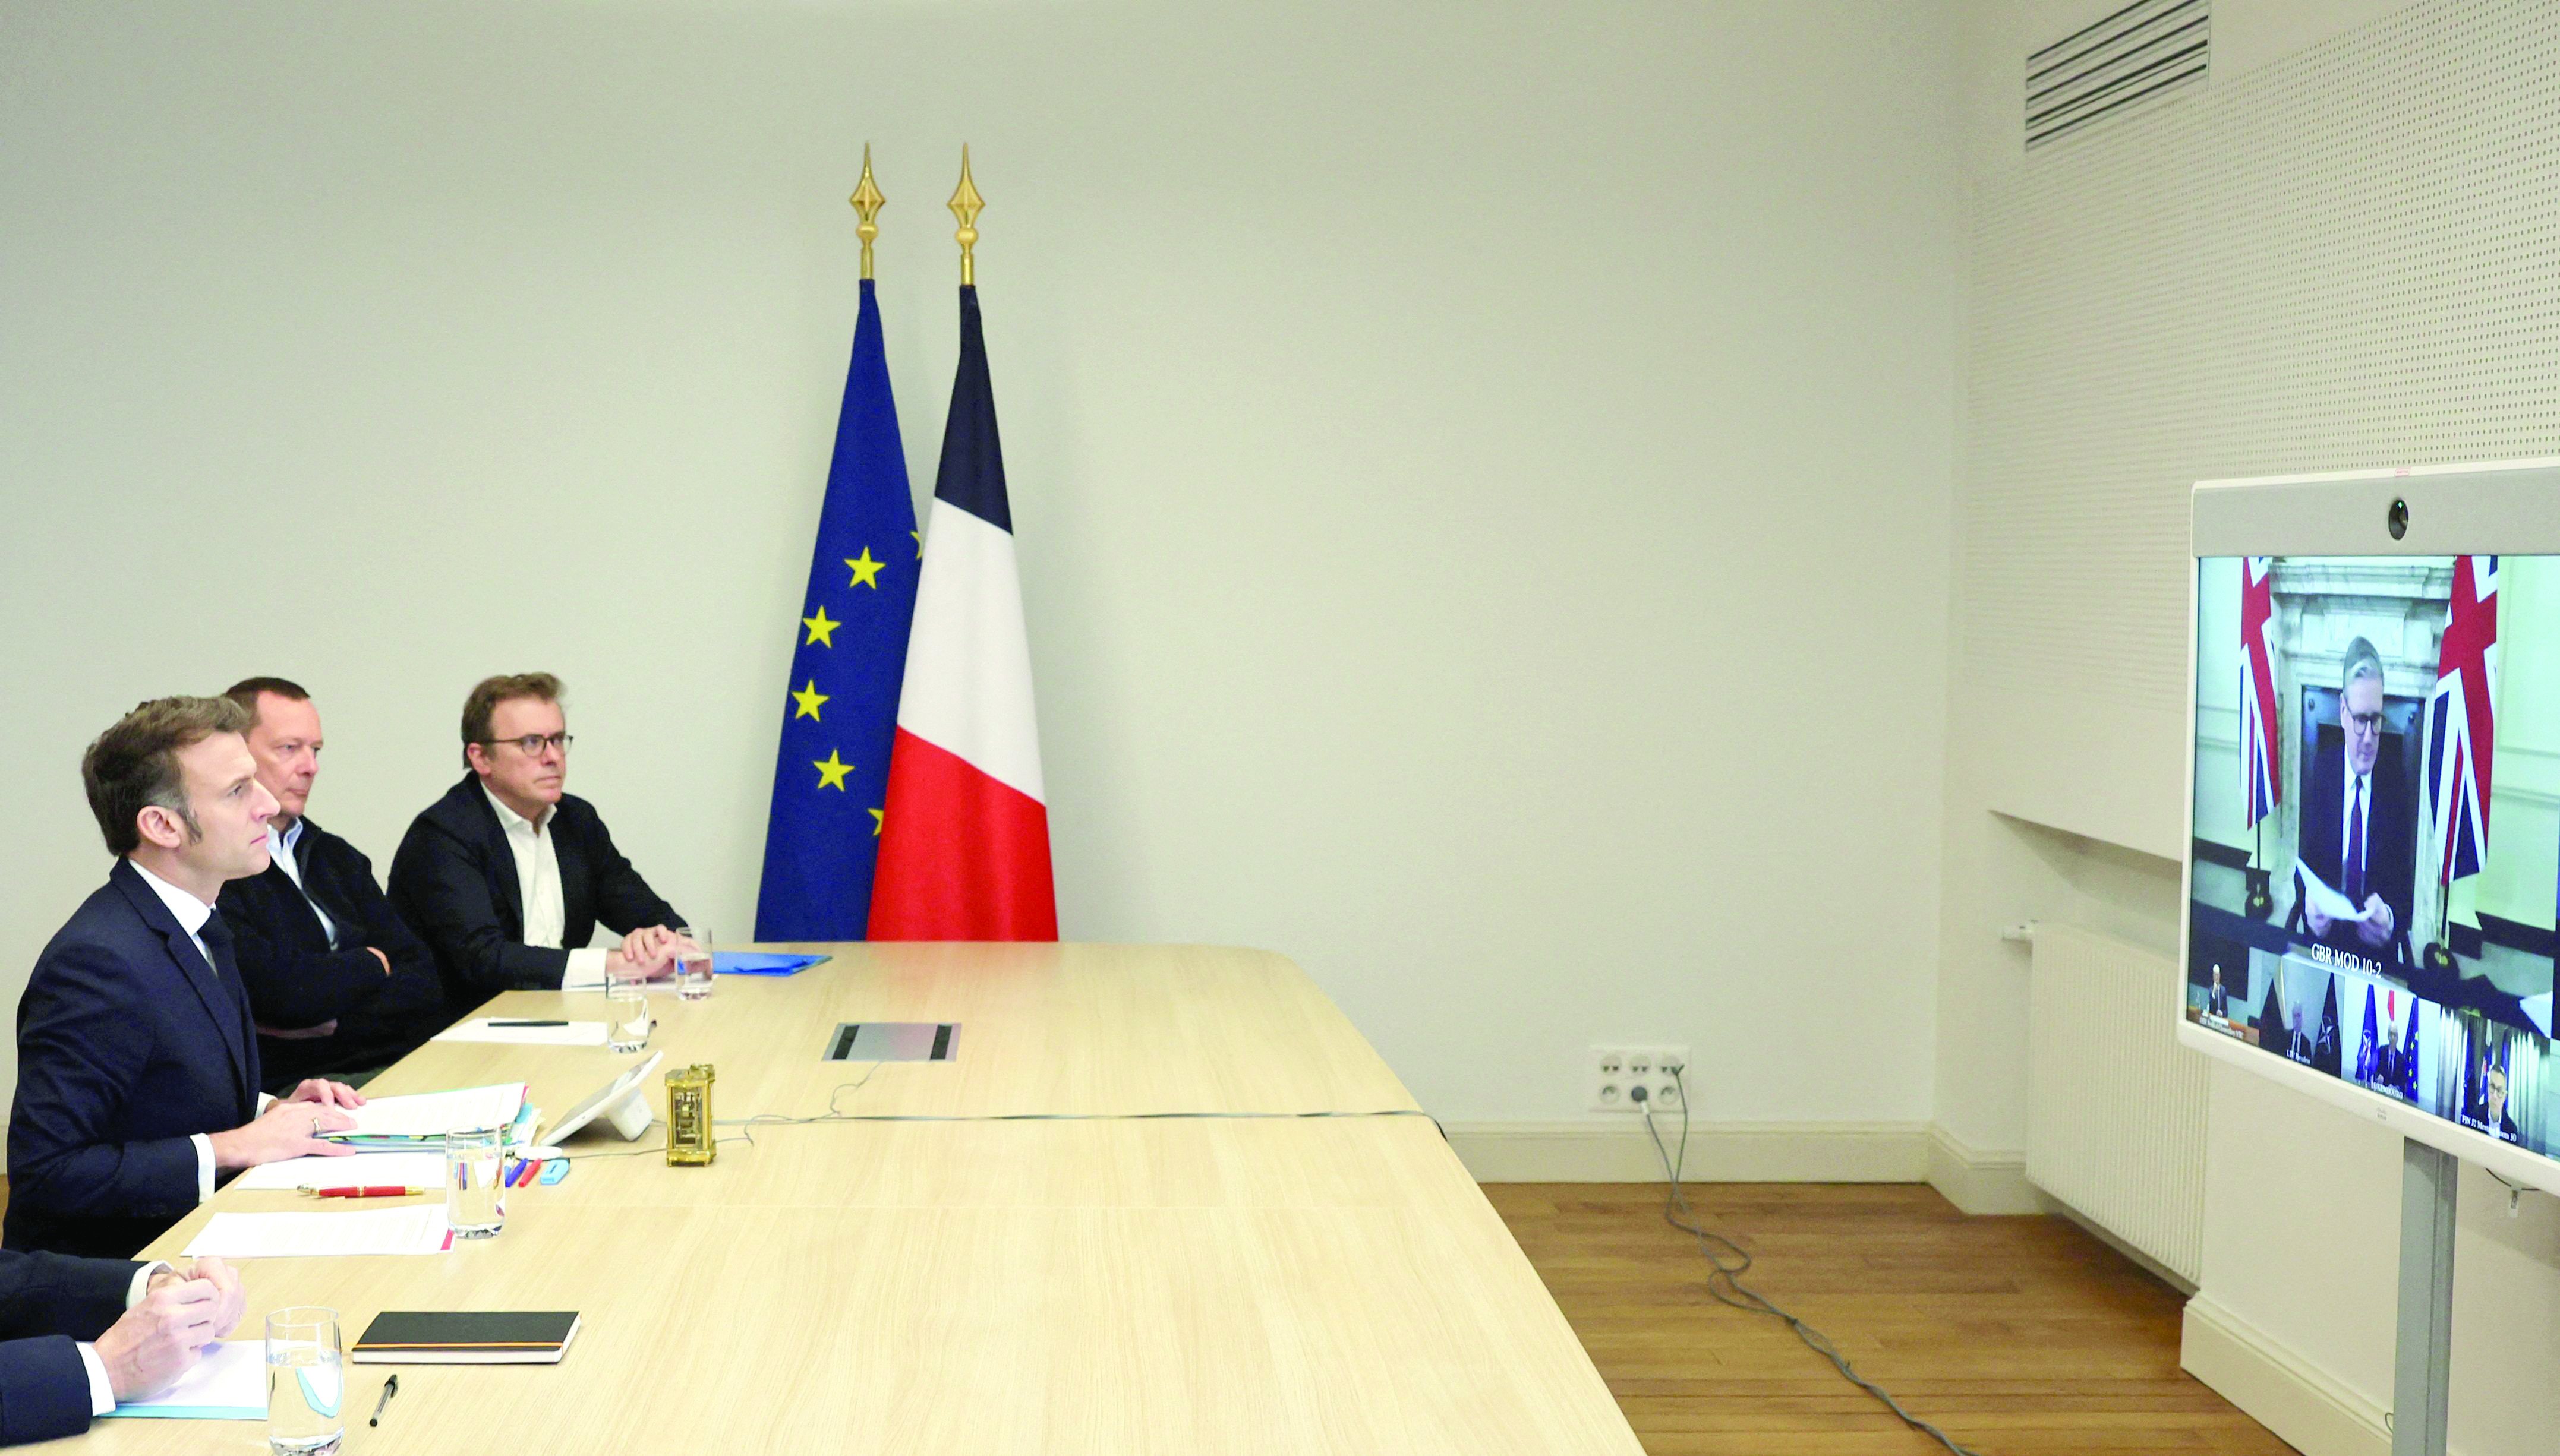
(47, 1301)
(294, 980)
(454, 881)
(127, 1044)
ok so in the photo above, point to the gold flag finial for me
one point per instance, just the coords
(965, 205)
(868, 201)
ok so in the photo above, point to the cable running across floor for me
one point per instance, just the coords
(1728, 1275)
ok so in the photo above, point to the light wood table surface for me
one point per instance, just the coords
(1104, 1284)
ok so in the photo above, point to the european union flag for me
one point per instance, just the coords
(832, 776)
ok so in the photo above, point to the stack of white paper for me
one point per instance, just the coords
(411, 1228)
(405, 1170)
(490, 1029)
(594, 982)
(227, 1383)
(433, 1114)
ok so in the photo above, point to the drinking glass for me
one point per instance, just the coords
(626, 1014)
(475, 1196)
(694, 967)
(306, 1382)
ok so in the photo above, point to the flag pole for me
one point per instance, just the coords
(868, 201)
(965, 205)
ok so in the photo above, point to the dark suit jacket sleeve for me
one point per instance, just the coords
(43, 1390)
(2396, 861)
(623, 901)
(47, 1301)
(290, 987)
(61, 1294)
(442, 890)
(79, 1052)
(379, 923)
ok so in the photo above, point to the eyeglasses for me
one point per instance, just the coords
(2362, 722)
(532, 744)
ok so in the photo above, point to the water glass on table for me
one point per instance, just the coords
(475, 1193)
(306, 1382)
(694, 963)
(626, 1014)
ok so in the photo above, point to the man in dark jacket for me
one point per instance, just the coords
(137, 1063)
(340, 984)
(506, 877)
(79, 1335)
(2360, 824)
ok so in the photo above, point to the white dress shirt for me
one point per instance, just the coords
(101, 1391)
(280, 848)
(537, 885)
(192, 914)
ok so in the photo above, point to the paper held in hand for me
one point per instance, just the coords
(433, 1114)
(2318, 895)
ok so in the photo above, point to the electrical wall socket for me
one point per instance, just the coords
(1616, 1072)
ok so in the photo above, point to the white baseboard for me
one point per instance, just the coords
(2304, 1405)
(1618, 1151)
(1980, 1182)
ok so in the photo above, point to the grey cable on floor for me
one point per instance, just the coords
(1749, 1300)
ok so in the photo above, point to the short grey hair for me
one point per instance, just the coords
(2362, 662)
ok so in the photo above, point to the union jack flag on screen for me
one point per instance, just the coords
(2461, 721)
(2260, 790)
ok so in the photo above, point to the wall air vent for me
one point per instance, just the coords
(2139, 54)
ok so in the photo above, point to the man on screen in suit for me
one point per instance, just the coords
(2358, 829)
(137, 1063)
(507, 876)
(2217, 1002)
(2493, 1107)
(339, 983)
(79, 1335)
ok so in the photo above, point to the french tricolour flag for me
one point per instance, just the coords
(964, 833)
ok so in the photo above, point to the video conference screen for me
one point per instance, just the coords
(2378, 825)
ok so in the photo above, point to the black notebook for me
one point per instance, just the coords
(466, 1337)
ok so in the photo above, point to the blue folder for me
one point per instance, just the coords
(761, 962)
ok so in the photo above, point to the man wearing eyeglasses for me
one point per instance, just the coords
(506, 877)
(2358, 835)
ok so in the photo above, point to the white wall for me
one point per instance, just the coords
(2284, 270)
(1482, 471)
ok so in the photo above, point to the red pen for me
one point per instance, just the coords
(379, 1191)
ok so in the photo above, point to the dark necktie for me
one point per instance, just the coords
(218, 948)
(2354, 875)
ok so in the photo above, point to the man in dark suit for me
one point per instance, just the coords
(339, 983)
(2493, 1107)
(137, 1064)
(506, 876)
(2217, 1002)
(79, 1335)
(2358, 828)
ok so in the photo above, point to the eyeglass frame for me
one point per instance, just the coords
(540, 741)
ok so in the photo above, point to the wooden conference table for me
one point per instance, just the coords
(1110, 1284)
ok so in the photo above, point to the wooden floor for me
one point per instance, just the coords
(2020, 1337)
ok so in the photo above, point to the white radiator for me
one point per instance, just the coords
(2116, 1107)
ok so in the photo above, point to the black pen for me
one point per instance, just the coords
(391, 1388)
(529, 1023)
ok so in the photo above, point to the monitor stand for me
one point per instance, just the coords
(2422, 1367)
